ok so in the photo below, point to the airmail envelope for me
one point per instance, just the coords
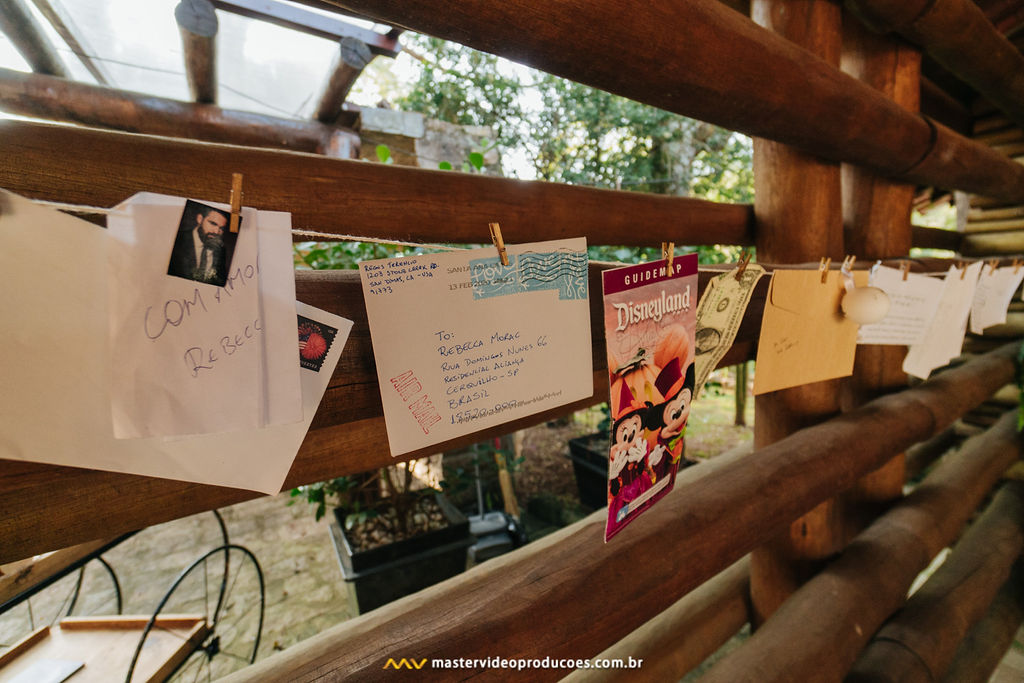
(804, 336)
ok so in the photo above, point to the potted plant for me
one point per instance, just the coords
(589, 455)
(392, 539)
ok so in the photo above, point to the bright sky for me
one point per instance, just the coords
(261, 67)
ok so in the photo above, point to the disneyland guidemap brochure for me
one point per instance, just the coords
(649, 317)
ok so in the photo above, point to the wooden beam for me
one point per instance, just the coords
(197, 23)
(957, 35)
(20, 27)
(935, 238)
(937, 104)
(541, 599)
(61, 22)
(798, 209)
(352, 197)
(919, 642)
(834, 614)
(92, 105)
(986, 644)
(315, 24)
(756, 83)
(352, 57)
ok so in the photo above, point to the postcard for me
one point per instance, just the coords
(945, 335)
(996, 287)
(650, 318)
(804, 336)
(913, 298)
(200, 350)
(463, 343)
(56, 359)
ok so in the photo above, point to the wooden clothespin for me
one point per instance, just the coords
(826, 263)
(741, 267)
(962, 266)
(905, 269)
(499, 243)
(236, 200)
(1017, 263)
(848, 262)
(667, 252)
(992, 265)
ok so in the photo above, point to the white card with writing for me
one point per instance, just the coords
(912, 304)
(945, 336)
(56, 364)
(463, 343)
(191, 357)
(992, 296)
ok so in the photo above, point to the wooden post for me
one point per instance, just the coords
(21, 29)
(353, 56)
(197, 21)
(876, 217)
(799, 218)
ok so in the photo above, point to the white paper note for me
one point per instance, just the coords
(945, 336)
(912, 304)
(191, 357)
(992, 297)
(55, 362)
(463, 343)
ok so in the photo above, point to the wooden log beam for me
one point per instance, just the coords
(295, 18)
(17, 23)
(197, 23)
(684, 635)
(92, 105)
(799, 215)
(957, 35)
(352, 197)
(542, 599)
(352, 57)
(834, 614)
(937, 104)
(921, 456)
(919, 643)
(935, 238)
(684, 57)
(986, 644)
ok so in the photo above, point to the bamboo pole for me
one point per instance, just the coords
(834, 614)
(352, 57)
(197, 23)
(57, 99)
(21, 29)
(799, 218)
(957, 35)
(542, 599)
(919, 643)
(704, 60)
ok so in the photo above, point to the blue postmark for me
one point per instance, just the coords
(564, 271)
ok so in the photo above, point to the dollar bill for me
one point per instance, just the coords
(719, 315)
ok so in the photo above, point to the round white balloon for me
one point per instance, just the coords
(865, 305)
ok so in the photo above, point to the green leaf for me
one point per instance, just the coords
(383, 153)
(445, 166)
(477, 159)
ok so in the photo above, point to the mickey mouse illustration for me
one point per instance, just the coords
(669, 418)
(628, 474)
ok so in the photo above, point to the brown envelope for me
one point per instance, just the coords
(804, 336)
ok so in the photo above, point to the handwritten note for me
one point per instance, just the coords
(804, 337)
(57, 367)
(191, 357)
(912, 304)
(463, 343)
(945, 336)
(992, 296)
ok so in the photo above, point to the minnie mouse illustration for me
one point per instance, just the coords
(628, 474)
(669, 418)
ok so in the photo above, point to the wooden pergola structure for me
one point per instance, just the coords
(810, 538)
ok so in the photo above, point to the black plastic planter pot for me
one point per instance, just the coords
(380, 575)
(589, 455)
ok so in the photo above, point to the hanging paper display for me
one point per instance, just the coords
(649, 314)
(463, 343)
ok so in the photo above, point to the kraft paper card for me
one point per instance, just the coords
(463, 343)
(55, 358)
(996, 287)
(912, 304)
(191, 356)
(804, 336)
(649, 318)
(945, 336)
